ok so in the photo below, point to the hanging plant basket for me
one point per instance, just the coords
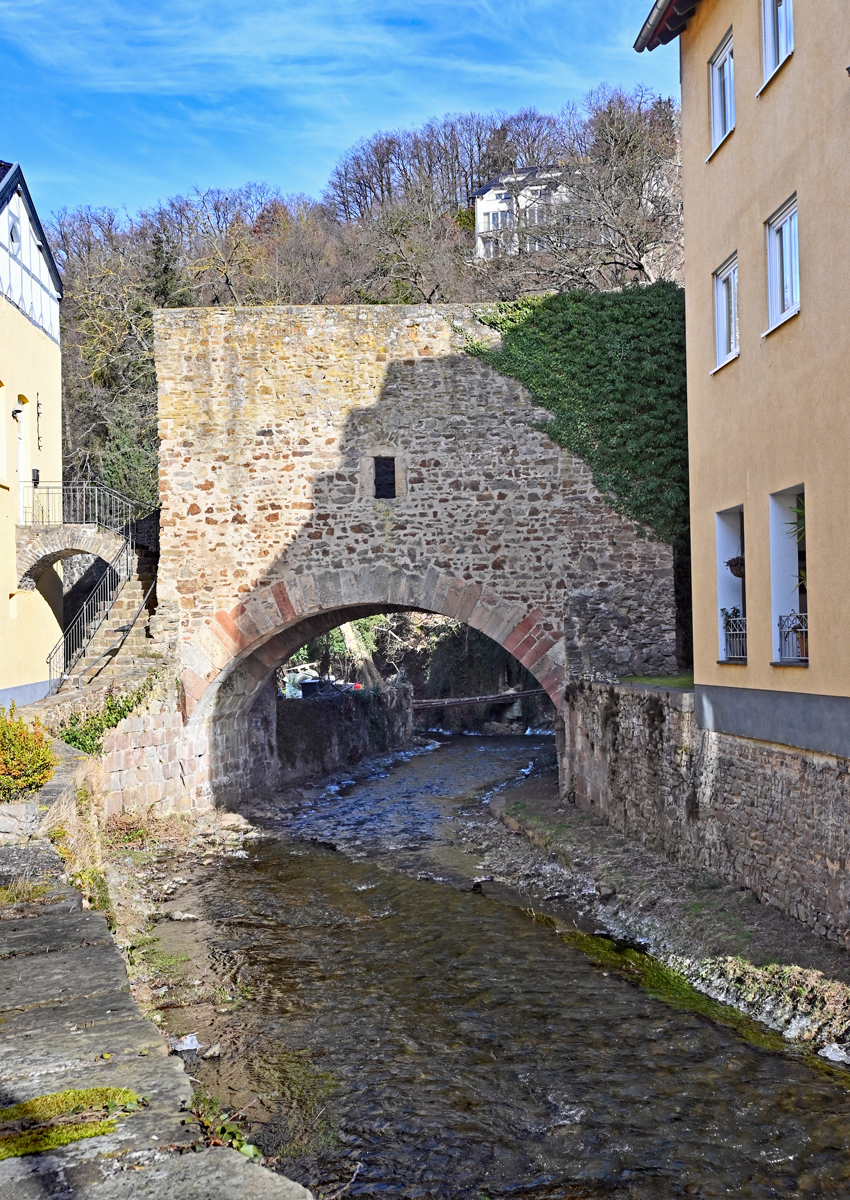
(736, 566)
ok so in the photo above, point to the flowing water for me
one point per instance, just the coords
(453, 1046)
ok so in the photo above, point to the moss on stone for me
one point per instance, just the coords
(36, 1141)
(59, 1118)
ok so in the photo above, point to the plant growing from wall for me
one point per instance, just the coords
(86, 733)
(610, 368)
(26, 758)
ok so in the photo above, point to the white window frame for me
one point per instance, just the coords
(726, 310)
(783, 264)
(722, 75)
(15, 236)
(777, 28)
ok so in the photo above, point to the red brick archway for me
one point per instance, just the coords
(228, 664)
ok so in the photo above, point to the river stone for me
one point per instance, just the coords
(835, 1053)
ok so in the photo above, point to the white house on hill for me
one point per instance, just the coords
(510, 209)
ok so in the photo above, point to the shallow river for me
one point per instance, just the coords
(465, 1049)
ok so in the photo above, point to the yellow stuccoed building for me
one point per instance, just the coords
(766, 175)
(30, 433)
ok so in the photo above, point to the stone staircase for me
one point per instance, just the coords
(113, 635)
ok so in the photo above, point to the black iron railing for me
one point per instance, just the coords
(49, 504)
(77, 637)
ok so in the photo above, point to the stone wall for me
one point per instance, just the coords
(770, 818)
(292, 740)
(270, 420)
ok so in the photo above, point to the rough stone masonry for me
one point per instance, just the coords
(271, 420)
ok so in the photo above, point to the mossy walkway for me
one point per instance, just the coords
(91, 1103)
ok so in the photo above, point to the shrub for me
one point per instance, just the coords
(26, 758)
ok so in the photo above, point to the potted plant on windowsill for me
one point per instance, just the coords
(736, 565)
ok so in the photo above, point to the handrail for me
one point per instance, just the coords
(499, 698)
(125, 632)
(71, 646)
(51, 504)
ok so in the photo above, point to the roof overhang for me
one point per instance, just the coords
(665, 22)
(13, 181)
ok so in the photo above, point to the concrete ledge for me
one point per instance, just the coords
(800, 719)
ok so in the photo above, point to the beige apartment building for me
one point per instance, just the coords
(766, 171)
(30, 433)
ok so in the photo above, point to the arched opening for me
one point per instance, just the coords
(229, 664)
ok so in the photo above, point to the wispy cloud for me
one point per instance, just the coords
(145, 97)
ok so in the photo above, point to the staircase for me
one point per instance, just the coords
(118, 610)
(125, 628)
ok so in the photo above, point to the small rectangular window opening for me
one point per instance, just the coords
(385, 479)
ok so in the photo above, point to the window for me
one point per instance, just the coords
(385, 479)
(783, 270)
(722, 91)
(788, 579)
(15, 236)
(726, 310)
(731, 586)
(777, 33)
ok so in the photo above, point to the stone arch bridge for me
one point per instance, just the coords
(319, 464)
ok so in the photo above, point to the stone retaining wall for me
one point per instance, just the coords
(292, 740)
(770, 818)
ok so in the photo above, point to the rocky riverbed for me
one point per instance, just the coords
(201, 918)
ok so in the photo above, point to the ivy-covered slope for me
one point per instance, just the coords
(610, 367)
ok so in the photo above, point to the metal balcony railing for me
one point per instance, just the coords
(47, 504)
(735, 629)
(794, 638)
(77, 637)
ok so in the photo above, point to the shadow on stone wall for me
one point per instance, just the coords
(537, 560)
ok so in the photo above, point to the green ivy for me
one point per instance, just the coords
(87, 734)
(610, 367)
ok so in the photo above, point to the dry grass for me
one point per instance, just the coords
(21, 889)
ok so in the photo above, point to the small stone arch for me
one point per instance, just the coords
(39, 549)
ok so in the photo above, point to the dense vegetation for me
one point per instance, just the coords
(610, 367)
(86, 733)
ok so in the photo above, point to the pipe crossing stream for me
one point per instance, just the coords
(441, 1042)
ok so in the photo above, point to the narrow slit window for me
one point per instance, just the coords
(722, 67)
(385, 479)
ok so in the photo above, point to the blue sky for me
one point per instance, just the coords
(122, 103)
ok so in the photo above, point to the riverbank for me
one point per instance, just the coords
(91, 1102)
(715, 935)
